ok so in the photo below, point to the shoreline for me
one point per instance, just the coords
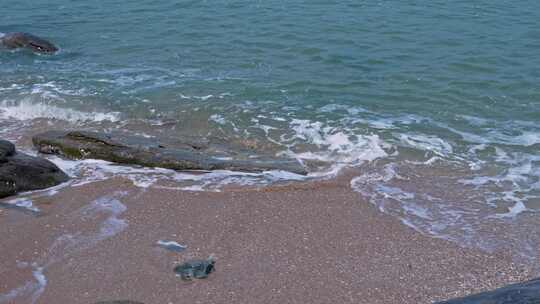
(303, 242)
(321, 152)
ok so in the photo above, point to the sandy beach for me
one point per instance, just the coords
(363, 152)
(315, 242)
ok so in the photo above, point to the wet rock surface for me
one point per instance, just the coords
(199, 269)
(522, 293)
(21, 172)
(137, 150)
(6, 149)
(25, 40)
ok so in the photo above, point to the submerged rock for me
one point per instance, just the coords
(28, 41)
(137, 150)
(198, 269)
(6, 149)
(21, 172)
(522, 293)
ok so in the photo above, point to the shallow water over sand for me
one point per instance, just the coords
(435, 104)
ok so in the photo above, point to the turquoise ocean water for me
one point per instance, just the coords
(434, 104)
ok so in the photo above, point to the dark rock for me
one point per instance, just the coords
(28, 41)
(147, 152)
(198, 269)
(21, 172)
(522, 293)
(6, 149)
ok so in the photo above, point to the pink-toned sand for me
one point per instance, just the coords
(303, 243)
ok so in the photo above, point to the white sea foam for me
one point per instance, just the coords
(25, 200)
(499, 135)
(352, 110)
(127, 80)
(25, 289)
(112, 225)
(203, 98)
(428, 162)
(27, 110)
(32, 288)
(41, 283)
(338, 147)
(518, 208)
(527, 139)
(418, 210)
(91, 170)
(218, 119)
(54, 90)
(475, 120)
(24, 203)
(76, 241)
(521, 172)
(12, 87)
(427, 143)
(456, 198)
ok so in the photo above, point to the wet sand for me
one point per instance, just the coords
(317, 242)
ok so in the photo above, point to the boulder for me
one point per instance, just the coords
(6, 149)
(21, 172)
(138, 150)
(28, 41)
(522, 293)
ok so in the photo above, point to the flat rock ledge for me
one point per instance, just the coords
(522, 293)
(21, 172)
(147, 152)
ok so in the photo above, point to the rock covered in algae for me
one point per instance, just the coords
(148, 152)
(198, 269)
